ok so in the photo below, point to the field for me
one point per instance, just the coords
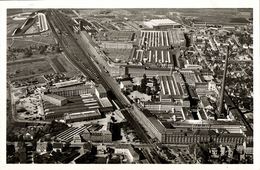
(118, 54)
(32, 41)
(29, 68)
(14, 11)
(61, 64)
(221, 15)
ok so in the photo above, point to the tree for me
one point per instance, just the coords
(154, 81)
(145, 78)
(27, 53)
(49, 147)
(143, 86)
(148, 90)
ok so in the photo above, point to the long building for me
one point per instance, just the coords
(55, 99)
(153, 38)
(191, 131)
(162, 24)
(172, 87)
(67, 83)
(67, 135)
(82, 116)
(116, 45)
(42, 22)
(104, 136)
(72, 90)
(155, 57)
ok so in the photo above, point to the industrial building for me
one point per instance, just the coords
(126, 85)
(140, 70)
(192, 131)
(128, 150)
(42, 22)
(72, 90)
(55, 99)
(82, 116)
(104, 136)
(162, 24)
(116, 45)
(100, 91)
(106, 105)
(155, 57)
(67, 135)
(76, 104)
(199, 24)
(68, 83)
(166, 38)
(172, 87)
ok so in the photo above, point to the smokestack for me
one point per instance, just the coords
(223, 83)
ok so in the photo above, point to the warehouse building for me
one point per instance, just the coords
(155, 57)
(42, 22)
(167, 38)
(104, 136)
(106, 105)
(192, 131)
(82, 116)
(126, 85)
(172, 87)
(67, 83)
(76, 104)
(139, 71)
(100, 91)
(116, 45)
(68, 134)
(162, 24)
(55, 99)
(73, 90)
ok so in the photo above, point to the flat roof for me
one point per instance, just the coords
(105, 102)
(68, 83)
(126, 82)
(159, 126)
(56, 96)
(79, 87)
(83, 114)
(75, 104)
(100, 88)
(170, 85)
(160, 22)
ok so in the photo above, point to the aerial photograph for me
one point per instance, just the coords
(129, 86)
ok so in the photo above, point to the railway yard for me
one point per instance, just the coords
(110, 85)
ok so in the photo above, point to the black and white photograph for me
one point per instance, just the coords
(139, 85)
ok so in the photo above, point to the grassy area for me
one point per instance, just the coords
(118, 54)
(32, 41)
(63, 65)
(29, 68)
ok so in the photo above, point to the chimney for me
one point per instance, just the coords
(220, 109)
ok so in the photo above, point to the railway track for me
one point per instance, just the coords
(83, 60)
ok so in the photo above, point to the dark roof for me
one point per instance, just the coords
(205, 101)
(57, 145)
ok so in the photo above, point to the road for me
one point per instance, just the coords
(83, 59)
